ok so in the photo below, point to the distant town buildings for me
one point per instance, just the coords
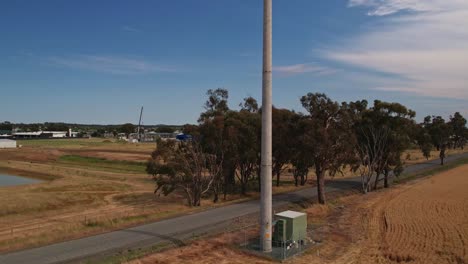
(152, 136)
(44, 134)
(145, 135)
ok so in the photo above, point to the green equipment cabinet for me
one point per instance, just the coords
(289, 226)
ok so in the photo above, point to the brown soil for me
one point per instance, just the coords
(425, 221)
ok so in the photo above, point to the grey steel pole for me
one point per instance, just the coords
(266, 169)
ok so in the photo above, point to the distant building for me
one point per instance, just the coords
(55, 134)
(7, 143)
(153, 136)
(26, 135)
(183, 137)
(44, 134)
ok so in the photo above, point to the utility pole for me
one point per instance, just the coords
(265, 211)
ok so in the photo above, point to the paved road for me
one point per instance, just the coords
(176, 229)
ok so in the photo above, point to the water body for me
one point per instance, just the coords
(11, 180)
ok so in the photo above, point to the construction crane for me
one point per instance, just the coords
(139, 125)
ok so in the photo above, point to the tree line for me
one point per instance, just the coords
(330, 137)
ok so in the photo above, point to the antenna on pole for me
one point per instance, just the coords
(139, 125)
(266, 211)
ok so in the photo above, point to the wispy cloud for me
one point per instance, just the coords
(387, 7)
(130, 29)
(395, 89)
(427, 47)
(109, 64)
(290, 70)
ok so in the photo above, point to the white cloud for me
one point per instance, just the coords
(289, 70)
(387, 7)
(427, 47)
(108, 64)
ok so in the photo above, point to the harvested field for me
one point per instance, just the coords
(425, 221)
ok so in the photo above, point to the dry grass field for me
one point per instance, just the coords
(425, 221)
(90, 186)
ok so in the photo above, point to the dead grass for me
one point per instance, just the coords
(425, 221)
(414, 156)
(80, 198)
(98, 187)
(214, 250)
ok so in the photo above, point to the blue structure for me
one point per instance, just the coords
(184, 137)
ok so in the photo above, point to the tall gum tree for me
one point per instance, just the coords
(329, 135)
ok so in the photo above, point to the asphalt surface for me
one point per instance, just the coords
(175, 230)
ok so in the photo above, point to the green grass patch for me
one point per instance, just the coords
(104, 164)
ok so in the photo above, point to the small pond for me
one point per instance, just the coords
(11, 180)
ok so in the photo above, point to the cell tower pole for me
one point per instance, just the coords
(266, 169)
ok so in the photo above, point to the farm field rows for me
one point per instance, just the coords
(424, 221)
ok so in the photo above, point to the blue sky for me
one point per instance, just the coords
(100, 61)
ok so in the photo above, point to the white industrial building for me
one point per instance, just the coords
(45, 134)
(7, 143)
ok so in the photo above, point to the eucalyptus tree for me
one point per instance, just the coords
(301, 148)
(459, 131)
(183, 166)
(249, 104)
(423, 139)
(212, 138)
(243, 130)
(399, 120)
(329, 133)
(440, 133)
(371, 148)
(382, 133)
(282, 140)
(216, 104)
